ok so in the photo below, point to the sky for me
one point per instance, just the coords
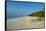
(17, 9)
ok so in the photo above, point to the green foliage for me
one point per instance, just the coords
(40, 13)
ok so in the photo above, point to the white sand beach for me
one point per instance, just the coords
(26, 22)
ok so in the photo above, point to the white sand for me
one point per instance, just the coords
(25, 22)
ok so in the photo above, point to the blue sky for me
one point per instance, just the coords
(22, 8)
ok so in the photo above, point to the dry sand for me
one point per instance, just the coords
(25, 22)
